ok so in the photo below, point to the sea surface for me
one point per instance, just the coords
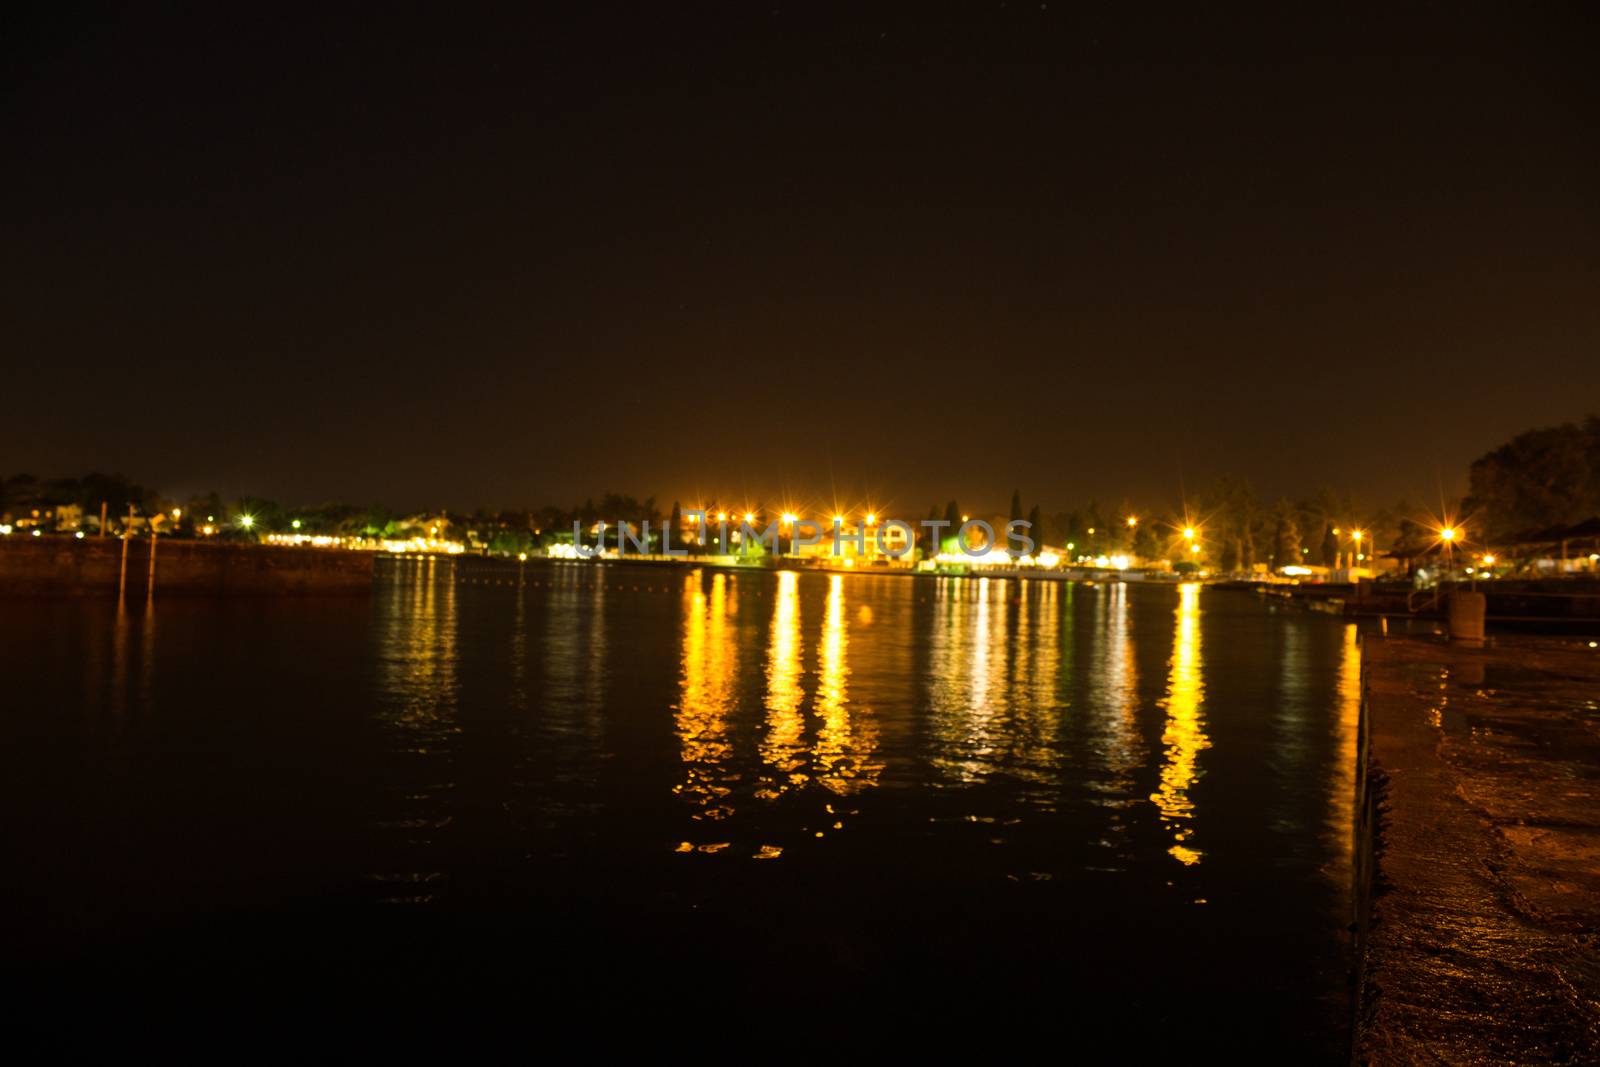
(655, 803)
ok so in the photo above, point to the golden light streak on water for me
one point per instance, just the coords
(783, 748)
(1184, 737)
(846, 742)
(706, 696)
(1342, 783)
(1114, 708)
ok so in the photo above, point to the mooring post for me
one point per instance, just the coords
(150, 582)
(1466, 614)
(122, 578)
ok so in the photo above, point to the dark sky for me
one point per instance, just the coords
(771, 250)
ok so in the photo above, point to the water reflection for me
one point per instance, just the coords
(418, 660)
(1184, 736)
(707, 697)
(575, 654)
(1115, 744)
(1341, 783)
(417, 655)
(1035, 753)
(783, 748)
(845, 743)
(968, 695)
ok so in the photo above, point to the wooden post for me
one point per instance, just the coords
(150, 582)
(122, 578)
(102, 518)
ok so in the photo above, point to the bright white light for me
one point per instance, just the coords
(1297, 571)
(990, 557)
(247, 521)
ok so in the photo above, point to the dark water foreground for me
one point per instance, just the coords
(1483, 943)
(687, 808)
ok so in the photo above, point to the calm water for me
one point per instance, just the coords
(861, 806)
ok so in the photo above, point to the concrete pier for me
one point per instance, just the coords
(1479, 908)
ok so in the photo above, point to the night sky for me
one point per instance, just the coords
(769, 251)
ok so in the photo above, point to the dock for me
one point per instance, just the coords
(1478, 844)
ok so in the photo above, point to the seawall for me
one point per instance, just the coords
(65, 566)
(1478, 853)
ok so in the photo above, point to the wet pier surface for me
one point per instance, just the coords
(1483, 944)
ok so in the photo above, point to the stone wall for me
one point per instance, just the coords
(66, 566)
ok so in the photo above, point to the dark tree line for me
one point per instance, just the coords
(1539, 479)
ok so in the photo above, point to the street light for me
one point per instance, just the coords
(1133, 520)
(872, 517)
(1188, 533)
(1448, 533)
(247, 521)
